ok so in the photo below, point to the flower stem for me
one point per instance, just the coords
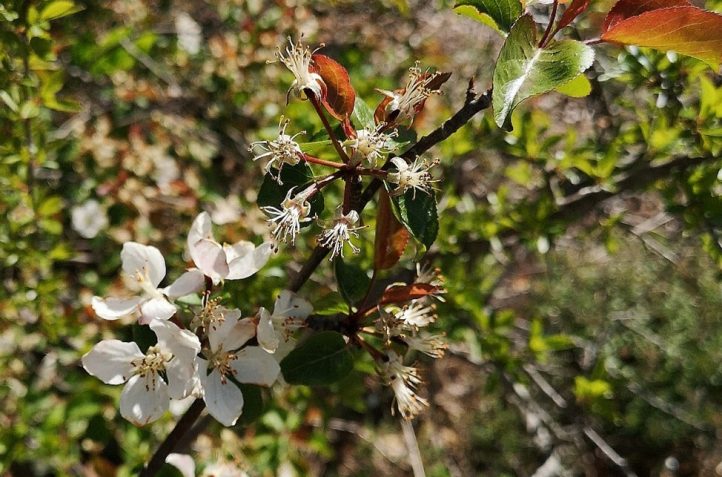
(548, 31)
(337, 145)
(322, 162)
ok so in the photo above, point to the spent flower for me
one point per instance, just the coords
(340, 233)
(295, 209)
(403, 380)
(414, 176)
(282, 150)
(407, 102)
(298, 59)
(372, 145)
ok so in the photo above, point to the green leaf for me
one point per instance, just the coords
(351, 279)
(417, 211)
(524, 69)
(502, 12)
(362, 115)
(50, 206)
(252, 404)
(322, 359)
(271, 193)
(59, 9)
(579, 87)
(471, 12)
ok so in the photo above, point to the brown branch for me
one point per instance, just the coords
(175, 436)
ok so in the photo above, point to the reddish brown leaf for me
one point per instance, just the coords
(380, 112)
(438, 81)
(340, 96)
(624, 9)
(687, 30)
(391, 236)
(576, 8)
(404, 293)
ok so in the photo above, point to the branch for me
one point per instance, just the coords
(175, 436)
(453, 124)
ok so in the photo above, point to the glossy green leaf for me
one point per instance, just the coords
(363, 115)
(322, 359)
(417, 211)
(351, 279)
(524, 69)
(503, 12)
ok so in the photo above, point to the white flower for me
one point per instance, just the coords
(282, 150)
(89, 218)
(224, 262)
(372, 145)
(403, 381)
(298, 59)
(143, 270)
(431, 345)
(417, 315)
(274, 329)
(225, 359)
(410, 99)
(413, 176)
(294, 211)
(166, 371)
(189, 33)
(335, 237)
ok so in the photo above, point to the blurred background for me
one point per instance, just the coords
(581, 251)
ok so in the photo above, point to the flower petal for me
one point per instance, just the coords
(255, 366)
(110, 361)
(114, 308)
(180, 342)
(238, 249)
(222, 397)
(288, 304)
(144, 399)
(265, 333)
(190, 282)
(183, 462)
(156, 309)
(232, 333)
(201, 229)
(211, 259)
(143, 261)
(180, 373)
(243, 266)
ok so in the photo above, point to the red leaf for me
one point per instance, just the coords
(687, 30)
(576, 8)
(404, 293)
(624, 9)
(340, 96)
(391, 236)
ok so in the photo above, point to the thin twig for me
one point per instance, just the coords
(412, 446)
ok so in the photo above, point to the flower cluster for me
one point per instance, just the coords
(210, 356)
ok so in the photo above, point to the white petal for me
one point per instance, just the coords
(288, 304)
(232, 333)
(190, 282)
(401, 164)
(180, 372)
(210, 258)
(180, 342)
(265, 332)
(255, 366)
(144, 259)
(110, 361)
(156, 309)
(244, 266)
(144, 399)
(223, 399)
(183, 462)
(201, 229)
(238, 249)
(284, 347)
(114, 308)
